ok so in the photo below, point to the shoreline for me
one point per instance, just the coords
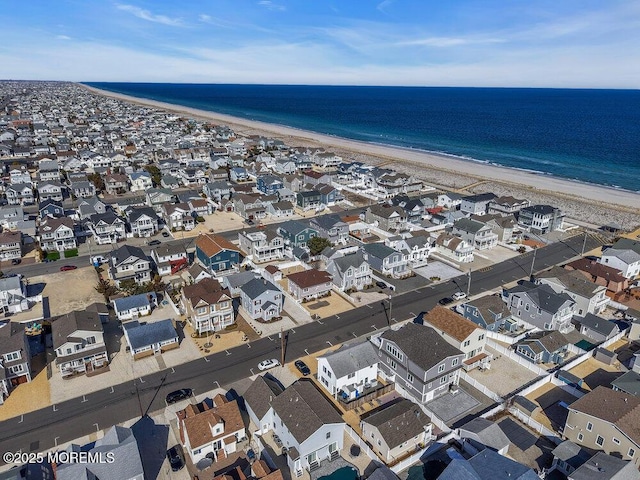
(446, 168)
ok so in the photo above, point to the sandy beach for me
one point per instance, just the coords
(589, 203)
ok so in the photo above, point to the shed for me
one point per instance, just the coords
(569, 378)
(605, 356)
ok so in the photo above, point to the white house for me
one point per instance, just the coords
(349, 371)
(135, 306)
(57, 234)
(140, 181)
(623, 255)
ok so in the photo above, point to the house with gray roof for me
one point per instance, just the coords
(487, 465)
(605, 467)
(476, 204)
(596, 328)
(628, 382)
(489, 312)
(331, 227)
(590, 298)
(118, 443)
(480, 433)
(15, 357)
(129, 263)
(309, 426)
(261, 299)
(423, 373)
(475, 233)
(568, 456)
(143, 221)
(386, 260)
(257, 399)
(134, 306)
(416, 248)
(397, 430)
(350, 272)
(386, 217)
(540, 306)
(90, 206)
(78, 342)
(544, 347)
(540, 219)
(350, 371)
(107, 227)
(623, 255)
(150, 338)
(296, 233)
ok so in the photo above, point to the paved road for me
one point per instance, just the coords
(44, 428)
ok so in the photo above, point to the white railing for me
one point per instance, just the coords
(516, 358)
(613, 339)
(567, 388)
(478, 386)
(501, 337)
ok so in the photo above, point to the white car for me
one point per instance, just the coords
(459, 296)
(267, 364)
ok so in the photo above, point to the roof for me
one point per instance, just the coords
(240, 278)
(293, 227)
(618, 408)
(150, 333)
(490, 306)
(543, 296)
(451, 323)
(491, 465)
(350, 358)
(628, 382)
(207, 290)
(552, 341)
(597, 324)
(572, 281)
(354, 260)
(304, 410)
(214, 244)
(540, 209)
(412, 338)
(133, 301)
(126, 251)
(399, 422)
(571, 453)
(597, 269)
(256, 287)
(198, 425)
(261, 393)
(468, 225)
(64, 326)
(378, 250)
(603, 466)
(486, 432)
(480, 197)
(310, 278)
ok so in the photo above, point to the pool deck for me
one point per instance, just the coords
(327, 468)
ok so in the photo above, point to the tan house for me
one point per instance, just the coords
(607, 420)
(461, 333)
(211, 429)
(309, 284)
(208, 306)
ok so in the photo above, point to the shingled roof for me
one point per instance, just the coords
(213, 244)
(399, 422)
(451, 323)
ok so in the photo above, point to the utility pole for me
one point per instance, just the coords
(390, 306)
(584, 243)
(469, 284)
(533, 261)
(282, 347)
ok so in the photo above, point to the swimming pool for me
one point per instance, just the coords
(344, 473)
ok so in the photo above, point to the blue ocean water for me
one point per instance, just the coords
(586, 135)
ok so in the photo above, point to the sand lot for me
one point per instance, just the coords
(68, 291)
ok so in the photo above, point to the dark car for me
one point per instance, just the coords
(445, 301)
(154, 243)
(302, 367)
(248, 222)
(175, 457)
(66, 268)
(178, 395)
(166, 234)
(381, 284)
(15, 261)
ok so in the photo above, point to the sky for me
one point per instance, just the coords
(514, 43)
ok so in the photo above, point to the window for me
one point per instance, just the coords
(526, 307)
(328, 435)
(580, 437)
(454, 362)
(443, 380)
(631, 452)
(351, 375)
(589, 426)
(441, 368)
(616, 441)
(395, 352)
(393, 364)
(481, 337)
(599, 440)
(467, 343)
(410, 378)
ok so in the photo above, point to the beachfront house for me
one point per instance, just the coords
(540, 219)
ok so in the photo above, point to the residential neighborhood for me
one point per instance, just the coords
(207, 303)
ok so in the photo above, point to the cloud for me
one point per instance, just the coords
(448, 41)
(269, 5)
(150, 17)
(62, 37)
(382, 6)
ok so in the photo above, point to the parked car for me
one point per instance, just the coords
(302, 367)
(98, 260)
(66, 268)
(459, 295)
(381, 284)
(446, 301)
(15, 261)
(175, 457)
(178, 395)
(267, 364)
(154, 243)
(166, 234)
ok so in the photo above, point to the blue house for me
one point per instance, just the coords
(329, 195)
(308, 199)
(239, 174)
(490, 313)
(51, 208)
(296, 233)
(269, 184)
(216, 253)
(544, 347)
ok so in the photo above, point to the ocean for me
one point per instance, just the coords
(590, 136)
